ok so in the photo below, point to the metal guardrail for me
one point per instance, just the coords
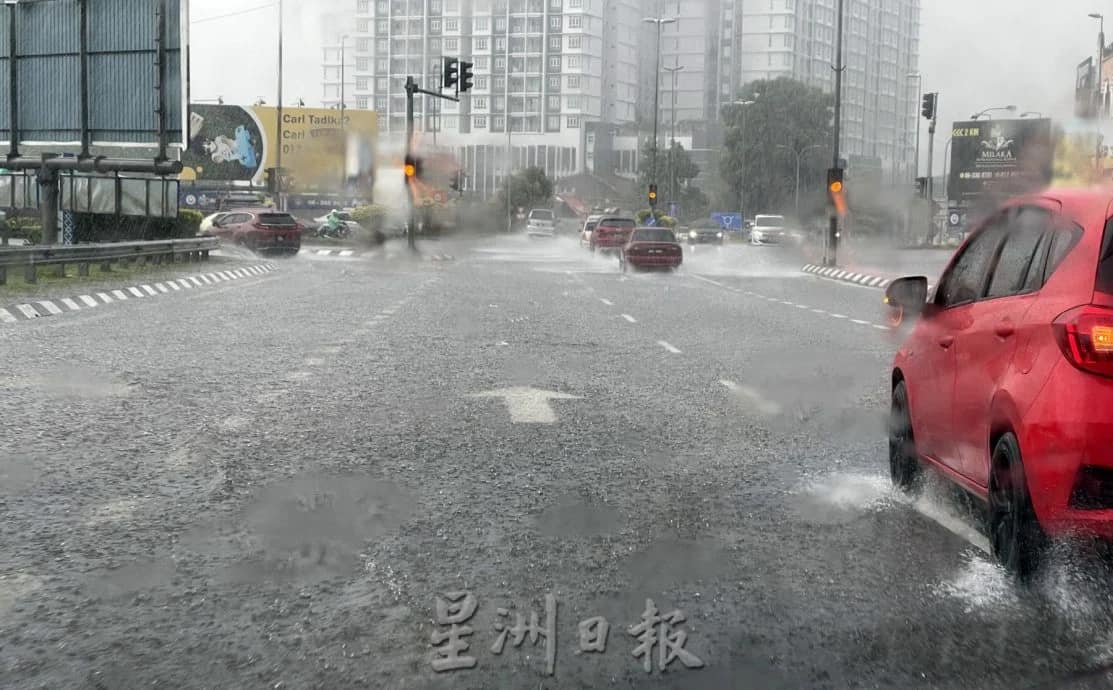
(30, 259)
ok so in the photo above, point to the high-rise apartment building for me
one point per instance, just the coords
(881, 39)
(546, 71)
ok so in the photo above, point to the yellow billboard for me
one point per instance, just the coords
(320, 151)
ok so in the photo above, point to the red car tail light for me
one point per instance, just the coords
(1085, 335)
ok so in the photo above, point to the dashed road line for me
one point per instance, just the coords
(104, 297)
(880, 327)
(606, 302)
(839, 316)
(860, 322)
(88, 300)
(149, 290)
(671, 348)
(629, 318)
(27, 310)
(6, 316)
(820, 311)
(136, 291)
(766, 407)
(119, 294)
(70, 304)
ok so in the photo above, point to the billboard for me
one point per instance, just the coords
(121, 85)
(991, 158)
(229, 143)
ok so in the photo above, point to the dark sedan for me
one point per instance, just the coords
(651, 248)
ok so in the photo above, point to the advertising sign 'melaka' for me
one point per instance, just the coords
(991, 158)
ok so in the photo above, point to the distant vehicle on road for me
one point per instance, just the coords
(541, 223)
(263, 231)
(338, 224)
(588, 229)
(704, 233)
(611, 234)
(651, 248)
(1005, 382)
(768, 230)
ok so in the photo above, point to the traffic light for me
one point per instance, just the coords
(412, 168)
(836, 190)
(928, 109)
(921, 187)
(451, 73)
(467, 79)
(653, 195)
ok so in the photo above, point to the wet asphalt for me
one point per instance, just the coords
(305, 479)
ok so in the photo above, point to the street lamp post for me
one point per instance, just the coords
(1009, 108)
(742, 105)
(831, 252)
(1034, 113)
(799, 157)
(915, 109)
(659, 21)
(278, 120)
(672, 143)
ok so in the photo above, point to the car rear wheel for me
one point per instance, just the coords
(1015, 535)
(904, 463)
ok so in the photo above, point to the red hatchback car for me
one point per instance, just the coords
(652, 248)
(262, 231)
(1005, 383)
(611, 233)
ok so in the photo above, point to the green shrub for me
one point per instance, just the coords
(663, 220)
(91, 227)
(25, 228)
(371, 217)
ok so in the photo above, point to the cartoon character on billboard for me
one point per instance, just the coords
(240, 149)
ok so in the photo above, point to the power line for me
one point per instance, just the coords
(233, 14)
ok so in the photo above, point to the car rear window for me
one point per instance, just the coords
(277, 219)
(541, 215)
(653, 235)
(621, 223)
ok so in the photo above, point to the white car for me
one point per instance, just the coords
(209, 221)
(768, 230)
(588, 229)
(541, 223)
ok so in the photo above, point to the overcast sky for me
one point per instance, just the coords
(977, 53)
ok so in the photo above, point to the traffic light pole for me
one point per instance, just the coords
(831, 254)
(412, 89)
(931, 172)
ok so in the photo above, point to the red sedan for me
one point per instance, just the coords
(611, 234)
(1005, 384)
(652, 248)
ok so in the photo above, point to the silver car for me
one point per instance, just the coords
(768, 230)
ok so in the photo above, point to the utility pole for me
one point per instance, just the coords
(832, 250)
(278, 189)
(411, 89)
(659, 22)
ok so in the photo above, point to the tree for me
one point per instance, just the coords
(786, 116)
(675, 174)
(529, 188)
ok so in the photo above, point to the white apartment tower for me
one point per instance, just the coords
(881, 41)
(545, 70)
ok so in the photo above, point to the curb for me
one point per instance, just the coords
(863, 279)
(43, 308)
(346, 253)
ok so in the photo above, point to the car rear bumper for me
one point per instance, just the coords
(1069, 428)
(711, 239)
(767, 238)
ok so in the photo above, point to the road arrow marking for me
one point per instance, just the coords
(528, 405)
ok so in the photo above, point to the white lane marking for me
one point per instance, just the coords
(819, 311)
(629, 318)
(391, 311)
(787, 303)
(880, 327)
(186, 284)
(708, 280)
(50, 307)
(136, 291)
(214, 277)
(161, 287)
(347, 252)
(606, 302)
(839, 316)
(105, 298)
(196, 280)
(955, 526)
(119, 294)
(314, 361)
(670, 348)
(802, 306)
(174, 286)
(88, 300)
(28, 311)
(227, 275)
(766, 407)
(6, 316)
(70, 304)
(860, 322)
(324, 252)
(528, 405)
(150, 290)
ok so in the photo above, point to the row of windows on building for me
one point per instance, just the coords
(418, 7)
(497, 123)
(435, 25)
(452, 45)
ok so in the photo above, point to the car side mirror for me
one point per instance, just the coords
(906, 297)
